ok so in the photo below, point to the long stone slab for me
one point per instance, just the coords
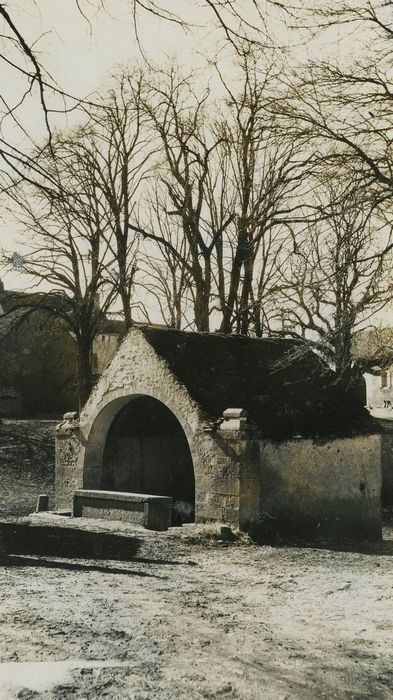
(152, 512)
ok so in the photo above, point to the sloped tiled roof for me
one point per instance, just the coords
(286, 389)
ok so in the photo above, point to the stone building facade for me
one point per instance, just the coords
(250, 432)
(379, 388)
(38, 356)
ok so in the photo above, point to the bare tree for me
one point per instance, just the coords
(67, 249)
(238, 21)
(264, 183)
(372, 15)
(165, 269)
(230, 184)
(339, 277)
(115, 147)
(179, 120)
(345, 106)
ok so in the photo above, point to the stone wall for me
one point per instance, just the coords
(387, 467)
(387, 460)
(319, 489)
(68, 476)
(10, 403)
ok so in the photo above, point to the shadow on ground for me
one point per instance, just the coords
(22, 561)
(383, 548)
(71, 543)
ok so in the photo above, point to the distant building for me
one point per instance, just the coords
(379, 388)
(375, 347)
(38, 357)
(105, 344)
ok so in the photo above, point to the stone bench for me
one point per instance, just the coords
(152, 512)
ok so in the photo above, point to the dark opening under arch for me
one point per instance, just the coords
(146, 451)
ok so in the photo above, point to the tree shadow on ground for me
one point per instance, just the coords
(19, 541)
(22, 561)
(381, 548)
(71, 543)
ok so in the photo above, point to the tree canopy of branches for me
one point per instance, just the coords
(114, 146)
(339, 278)
(345, 105)
(68, 247)
(82, 246)
(224, 178)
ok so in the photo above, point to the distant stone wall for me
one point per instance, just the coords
(387, 468)
(318, 489)
(387, 460)
(10, 403)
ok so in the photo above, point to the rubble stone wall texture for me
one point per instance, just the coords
(387, 468)
(137, 371)
(387, 461)
(10, 403)
(331, 489)
(68, 477)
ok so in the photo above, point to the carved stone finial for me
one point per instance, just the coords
(69, 423)
(236, 420)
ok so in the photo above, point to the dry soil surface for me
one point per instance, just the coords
(192, 617)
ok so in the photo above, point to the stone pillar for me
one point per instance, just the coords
(68, 476)
(234, 438)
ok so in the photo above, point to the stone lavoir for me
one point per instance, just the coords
(256, 433)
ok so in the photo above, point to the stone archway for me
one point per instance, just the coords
(137, 444)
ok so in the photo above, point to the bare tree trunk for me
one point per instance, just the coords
(85, 373)
(227, 316)
(201, 310)
(202, 281)
(246, 293)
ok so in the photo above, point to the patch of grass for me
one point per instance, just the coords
(27, 464)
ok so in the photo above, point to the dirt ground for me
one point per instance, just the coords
(190, 616)
(111, 611)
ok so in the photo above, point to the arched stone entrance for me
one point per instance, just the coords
(137, 444)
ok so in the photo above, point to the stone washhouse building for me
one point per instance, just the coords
(252, 432)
